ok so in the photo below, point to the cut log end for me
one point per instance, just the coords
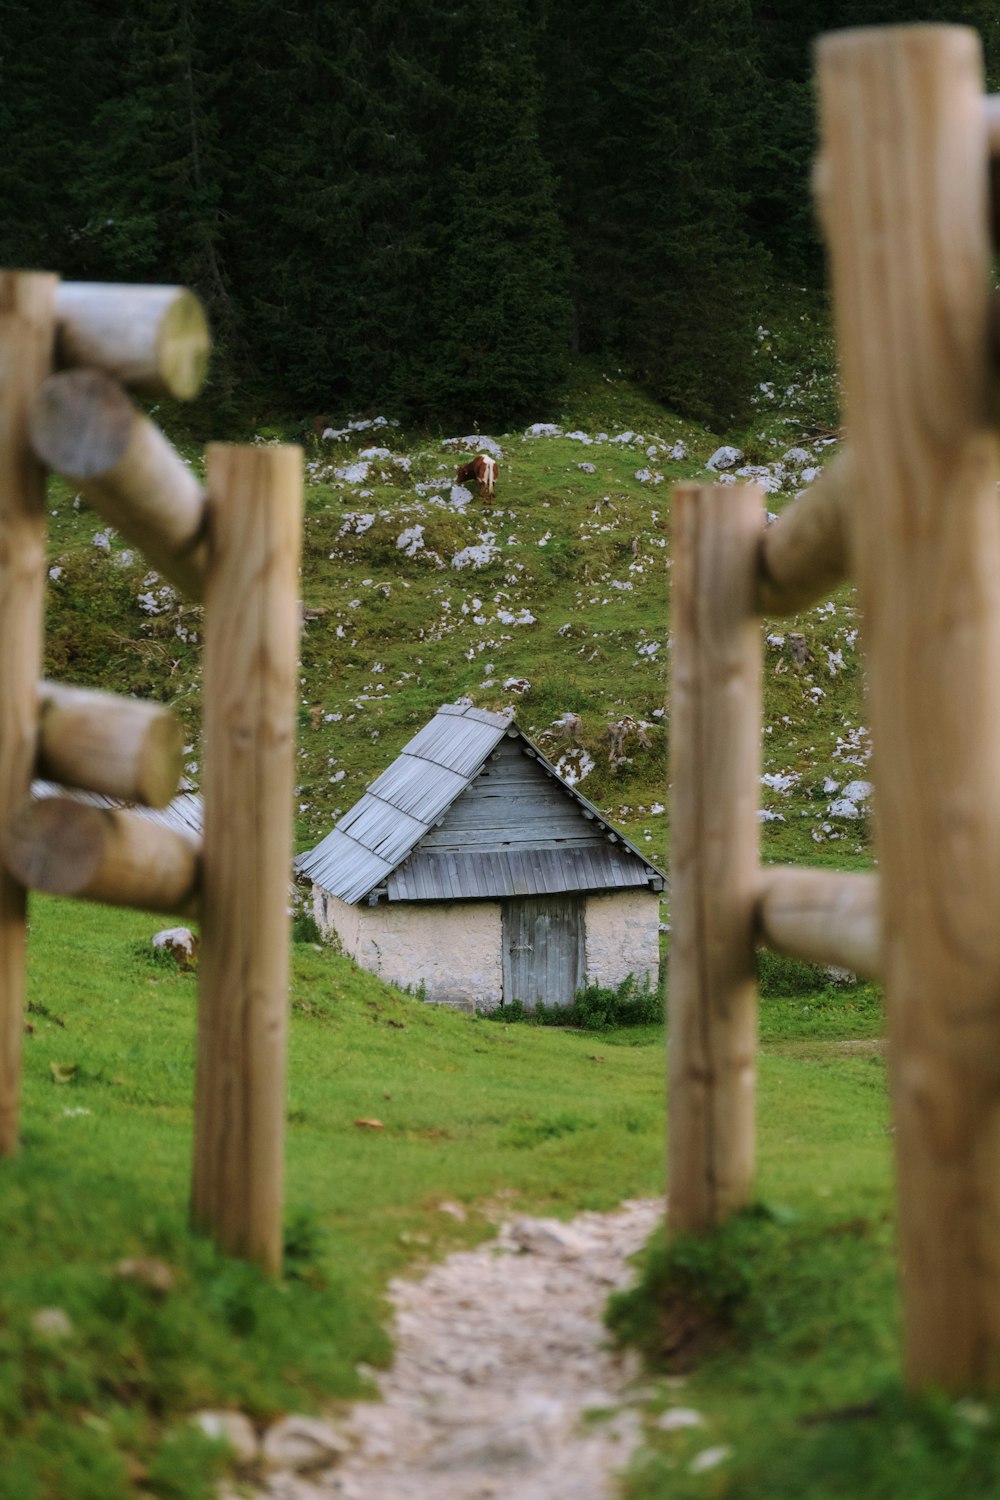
(183, 347)
(54, 845)
(81, 423)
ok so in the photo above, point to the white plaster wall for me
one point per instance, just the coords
(451, 948)
(622, 937)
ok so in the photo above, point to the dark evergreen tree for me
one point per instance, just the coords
(55, 65)
(501, 298)
(152, 167)
(666, 275)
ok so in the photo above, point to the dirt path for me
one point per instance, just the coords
(500, 1354)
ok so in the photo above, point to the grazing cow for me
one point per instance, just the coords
(483, 469)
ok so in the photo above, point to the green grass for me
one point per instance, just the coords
(489, 1114)
(484, 1114)
(391, 636)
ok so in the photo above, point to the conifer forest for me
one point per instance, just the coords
(431, 205)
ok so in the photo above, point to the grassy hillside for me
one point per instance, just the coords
(553, 604)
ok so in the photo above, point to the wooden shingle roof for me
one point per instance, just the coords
(470, 808)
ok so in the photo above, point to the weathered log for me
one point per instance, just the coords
(905, 154)
(804, 554)
(113, 855)
(822, 916)
(154, 339)
(84, 427)
(250, 700)
(715, 770)
(122, 747)
(27, 329)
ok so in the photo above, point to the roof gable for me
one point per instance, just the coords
(471, 808)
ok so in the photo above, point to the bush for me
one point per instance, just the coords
(594, 1008)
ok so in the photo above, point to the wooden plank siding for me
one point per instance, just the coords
(513, 804)
(543, 950)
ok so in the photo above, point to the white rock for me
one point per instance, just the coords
(352, 473)
(52, 1323)
(585, 467)
(303, 1444)
(580, 437)
(709, 1458)
(372, 453)
(725, 458)
(809, 476)
(233, 1428)
(550, 1237)
(796, 456)
(858, 791)
(543, 429)
(411, 540)
(843, 808)
(678, 1418)
(180, 941)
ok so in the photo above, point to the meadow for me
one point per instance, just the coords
(555, 604)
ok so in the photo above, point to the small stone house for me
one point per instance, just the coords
(472, 873)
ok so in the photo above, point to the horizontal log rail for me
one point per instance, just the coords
(822, 916)
(116, 856)
(805, 552)
(154, 339)
(84, 427)
(103, 742)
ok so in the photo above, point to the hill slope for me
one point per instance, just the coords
(554, 603)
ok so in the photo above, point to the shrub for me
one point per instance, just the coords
(594, 1008)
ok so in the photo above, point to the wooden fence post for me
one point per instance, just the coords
(250, 695)
(715, 774)
(27, 334)
(904, 176)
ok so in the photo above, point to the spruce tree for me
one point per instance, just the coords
(501, 297)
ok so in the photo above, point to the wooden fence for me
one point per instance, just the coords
(911, 508)
(66, 351)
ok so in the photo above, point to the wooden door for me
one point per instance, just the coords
(543, 954)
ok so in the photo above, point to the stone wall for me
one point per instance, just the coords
(449, 949)
(622, 937)
(452, 951)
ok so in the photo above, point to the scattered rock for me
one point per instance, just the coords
(304, 1444)
(543, 1237)
(181, 943)
(709, 1458)
(147, 1271)
(725, 458)
(453, 1210)
(52, 1323)
(678, 1418)
(233, 1428)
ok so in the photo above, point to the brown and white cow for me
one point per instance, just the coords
(483, 470)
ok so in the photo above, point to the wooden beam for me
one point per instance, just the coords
(715, 770)
(821, 916)
(27, 332)
(804, 553)
(84, 427)
(116, 856)
(152, 338)
(122, 747)
(250, 699)
(905, 157)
